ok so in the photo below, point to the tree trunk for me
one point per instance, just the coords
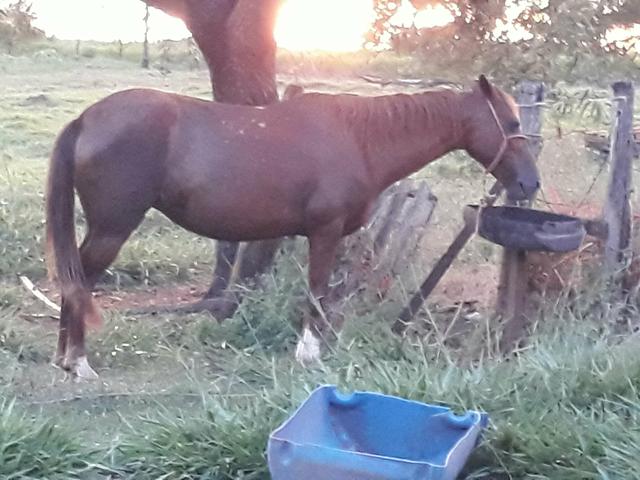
(236, 40)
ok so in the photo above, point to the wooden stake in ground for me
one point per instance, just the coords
(617, 209)
(145, 43)
(512, 290)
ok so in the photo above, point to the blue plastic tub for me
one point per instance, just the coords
(367, 436)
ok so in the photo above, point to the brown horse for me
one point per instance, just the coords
(312, 165)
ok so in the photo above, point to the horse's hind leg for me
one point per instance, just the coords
(99, 249)
(63, 336)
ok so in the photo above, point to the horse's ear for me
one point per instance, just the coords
(485, 86)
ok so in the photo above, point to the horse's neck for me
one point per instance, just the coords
(402, 133)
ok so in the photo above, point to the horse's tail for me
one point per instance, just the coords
(63, 256)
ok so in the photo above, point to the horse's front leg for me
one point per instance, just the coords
(323, 243)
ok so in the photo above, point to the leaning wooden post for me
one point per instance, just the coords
(617, 209)
(444, 262)
(512, 290)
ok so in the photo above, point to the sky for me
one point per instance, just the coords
(302, 24)
(103, 20)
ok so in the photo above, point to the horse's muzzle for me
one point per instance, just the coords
(523, 190)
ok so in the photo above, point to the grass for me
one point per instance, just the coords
(567, 408)
(564, 409)
(38, 448)
(183, 397)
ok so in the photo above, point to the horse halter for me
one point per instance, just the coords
(505, 140)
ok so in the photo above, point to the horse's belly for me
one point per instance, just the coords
(238, 219)
(236, 230)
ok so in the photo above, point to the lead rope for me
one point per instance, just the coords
(505, 139)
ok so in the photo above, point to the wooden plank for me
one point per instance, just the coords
(617, 209)
(601, 141)
(388, 242)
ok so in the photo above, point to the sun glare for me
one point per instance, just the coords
(329, 25)
(434, 16)
(302, 25)
(103, 20)
(431, 16)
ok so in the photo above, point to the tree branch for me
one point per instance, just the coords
(175, 8)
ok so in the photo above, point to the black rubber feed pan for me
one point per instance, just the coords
(527, 229)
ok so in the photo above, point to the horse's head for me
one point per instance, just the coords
(494, 138)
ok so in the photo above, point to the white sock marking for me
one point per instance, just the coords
(83, 370)
(308, 349)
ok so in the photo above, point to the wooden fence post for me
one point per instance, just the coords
(512, 290)
(617, 209)
(145, 44)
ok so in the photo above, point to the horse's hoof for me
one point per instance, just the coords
(58, 361)
(308, 348)
(82, 371)
(220, 308)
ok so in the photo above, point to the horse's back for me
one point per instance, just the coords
(225, 171)
(143, 113)
(121, 151)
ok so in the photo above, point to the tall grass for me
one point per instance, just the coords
(226, 441)
(568, 408)
(38, 449)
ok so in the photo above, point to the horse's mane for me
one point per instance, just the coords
(390, 117)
